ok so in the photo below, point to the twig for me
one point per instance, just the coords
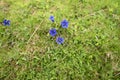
(92, 14)
(34, 32)
(117, 74)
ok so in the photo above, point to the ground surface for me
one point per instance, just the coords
(91, 50)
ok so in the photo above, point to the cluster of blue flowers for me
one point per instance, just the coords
(6, 22)
(53, 31)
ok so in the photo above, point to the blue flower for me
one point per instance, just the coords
(53, 32)
(52, 18)
(64, 23)
(60, 40)
(6, 22)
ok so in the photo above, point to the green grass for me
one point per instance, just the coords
(91, 50)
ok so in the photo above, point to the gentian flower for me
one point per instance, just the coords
(60, 40)
(6, 22)
(52, 18)
(52, 32)
(64, 23)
